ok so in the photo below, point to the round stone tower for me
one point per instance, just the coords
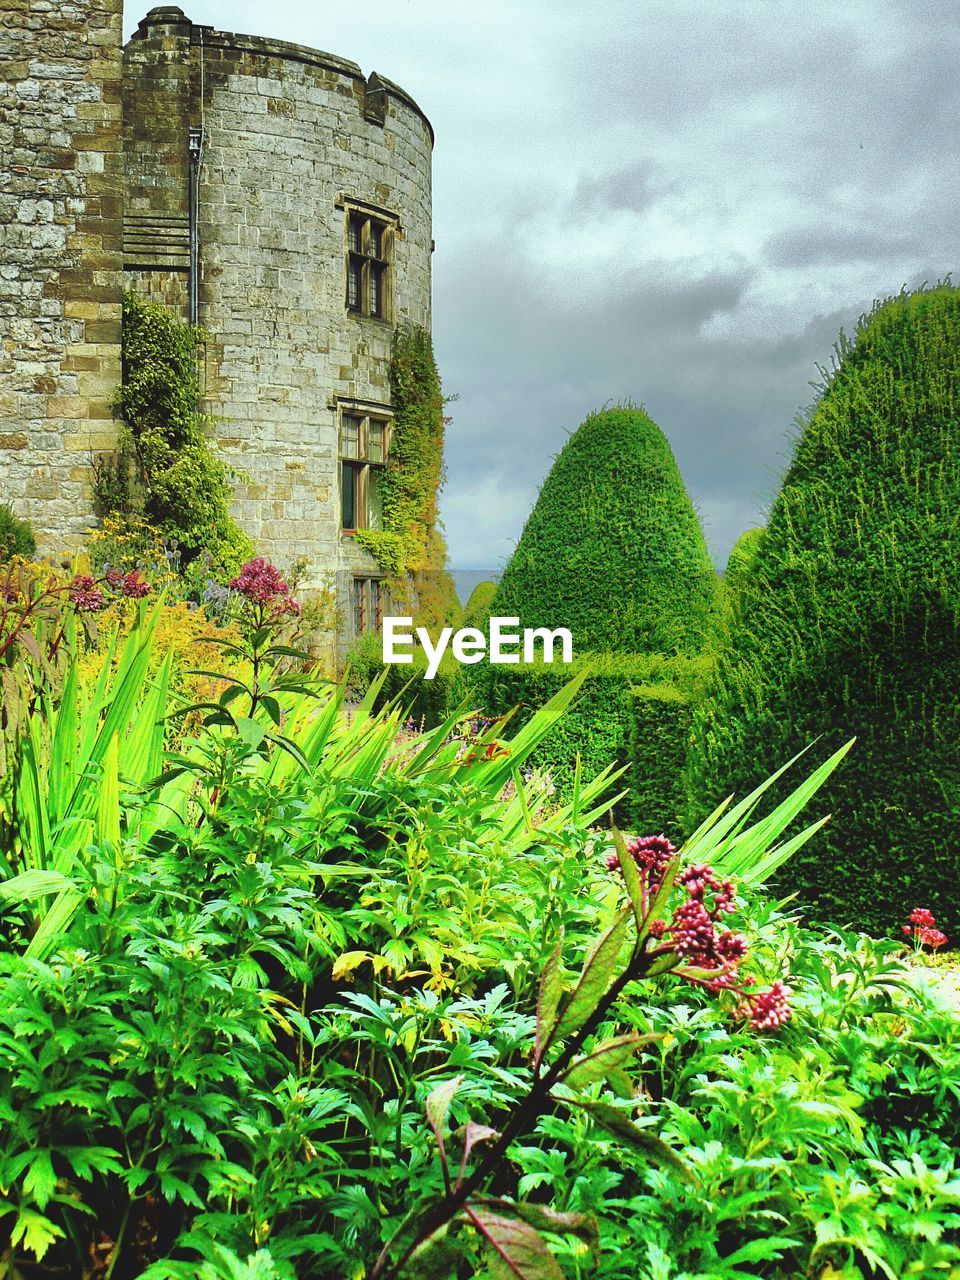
(283, 200)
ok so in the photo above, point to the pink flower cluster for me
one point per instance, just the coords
(767, 1010)
(652, 855)
(88, 596)
(923, 929)
(84, 592)
(712, 954)
(262, 583)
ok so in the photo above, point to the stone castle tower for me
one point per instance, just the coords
(267, 191)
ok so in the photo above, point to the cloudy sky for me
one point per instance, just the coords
(676, 202)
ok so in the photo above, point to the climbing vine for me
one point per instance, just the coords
(164, 470)
(408, 546)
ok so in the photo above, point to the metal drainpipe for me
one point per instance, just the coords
(196, 150)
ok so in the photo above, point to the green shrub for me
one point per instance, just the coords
(427, 702)
(847, 623)
(477, 609)
(633, 710)
(16, 536)
(613, 548)
(165, 471)
(661, 716)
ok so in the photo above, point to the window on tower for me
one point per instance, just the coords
(369, 242)
(364, 449)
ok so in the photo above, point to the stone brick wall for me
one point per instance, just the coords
(60, 258)
(290, 135)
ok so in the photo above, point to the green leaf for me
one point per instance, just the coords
(34, 884)
(604, 1059)
(642, 1140)
(600, 969)
(250, 731)
(519, 1249)
(35, 1232)
(438, 1104)
(548, 1000)
(631, 876)
(40, 1181)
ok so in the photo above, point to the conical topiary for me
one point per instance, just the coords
(847, 624)
(613, 548)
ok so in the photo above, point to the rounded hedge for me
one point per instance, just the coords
(847, 624)
(476, 611)
(613, 548)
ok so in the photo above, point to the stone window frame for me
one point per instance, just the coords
(370, 233)
(358, 460)
(368, 603)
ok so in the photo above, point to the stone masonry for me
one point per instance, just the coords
(60, 255)
(291, 139)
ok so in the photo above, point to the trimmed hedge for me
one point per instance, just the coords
(633, 710)
(613, 548)
(847, 624)
(476, 611)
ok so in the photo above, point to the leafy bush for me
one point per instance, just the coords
(847, 622)
(165, 471)
(477, 609)
(631, 709)
(428, 702)
(16, 536)
(613, 548)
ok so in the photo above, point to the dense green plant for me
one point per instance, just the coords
(165, 470)
(847, 622)
(613, 549)
(477, 609)
(408, 545)
(16, 536)
(632, 709)
(428, 702)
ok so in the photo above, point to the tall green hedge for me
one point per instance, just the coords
(613, 548)
(847, 624)
(633, 710)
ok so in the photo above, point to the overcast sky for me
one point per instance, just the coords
(676, 202)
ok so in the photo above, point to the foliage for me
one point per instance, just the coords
(165, 472)
(16, 536)
(613, 549)
(215, 1037)
(428, 702)
(408, 545)
(477, 609)
(310, 995)
(848, 622)
(633, 709)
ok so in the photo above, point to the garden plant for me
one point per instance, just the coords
(291, 989)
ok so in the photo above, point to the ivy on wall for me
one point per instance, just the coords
(408, 546)
(164, 470)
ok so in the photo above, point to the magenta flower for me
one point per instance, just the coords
(767, 1010)
(86, 595)
(133, 586)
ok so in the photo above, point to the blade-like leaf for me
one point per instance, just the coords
(606, 1057)
(598, 972)
(519, 1248)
